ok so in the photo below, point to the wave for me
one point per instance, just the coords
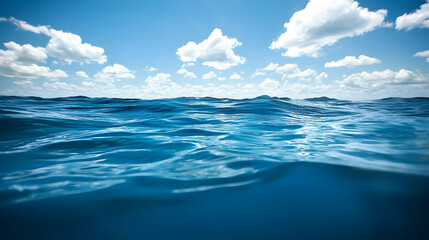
(61, 146)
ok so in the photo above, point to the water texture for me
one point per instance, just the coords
(67, 146)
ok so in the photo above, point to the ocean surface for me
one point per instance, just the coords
(207, 168)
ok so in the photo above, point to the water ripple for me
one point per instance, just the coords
(62, 146)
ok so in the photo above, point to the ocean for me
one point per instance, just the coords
(208, 168)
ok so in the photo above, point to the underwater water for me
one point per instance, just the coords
(207, 168)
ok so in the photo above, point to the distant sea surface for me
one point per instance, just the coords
(207, 168)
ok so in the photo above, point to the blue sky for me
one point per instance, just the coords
(338, 48)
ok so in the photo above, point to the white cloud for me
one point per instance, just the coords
(423, 54)
(64, 45)
(269, 83)
(188, 64)
(258, 72)
(216, 51)
(118, 71)
(209, 75)
(82, 74)
(88, 84)
(287, 68)
(150, 69)
(324, 22)
(19, 61)
(159, 79)
(59, 86)
(271, 67)
(24, 82)
(419, 18)
(235, 76)
(276, 68)
(352, 61)
(32, 71)
(114, 73)
(69, 47)
(161, 86)
(186, 73)
(321, 76)
(303, 74)
(387, 25)
(221, 78)
(27, 27)
(384, 78)
(23, 54)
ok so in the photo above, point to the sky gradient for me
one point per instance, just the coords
(163, 49)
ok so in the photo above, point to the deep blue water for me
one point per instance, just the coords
(207, 168)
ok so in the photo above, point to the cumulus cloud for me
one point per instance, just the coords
(23, 53)
(271, 67)
(269, 83)
(276, 68)
(159, 79)
(32, 71)
(324, 22)
(387, 77)
(417, 19)
(114, 73)
(235, 76)
(258, 72)
(161, 86)
(188, 64)
(352, 61)
(288, 70)
(88, 84)
(209, 75)
(423, 54)
(59, 86)
(20, 61)
(150, 69)
(216, 51)
(321, 76)
(69, 47)
(186, 73)
(387, 25)
(221, 78)
(303, 74)
(82, 74)
(23, 82)
(64, 45)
